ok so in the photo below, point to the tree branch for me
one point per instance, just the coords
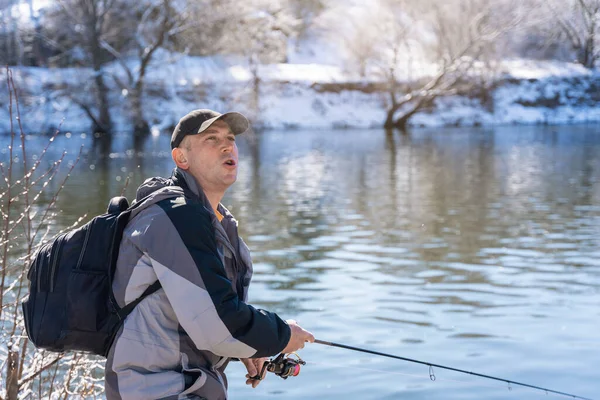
(33, 375)
(106, 46)
(567, 28)
(87, 110)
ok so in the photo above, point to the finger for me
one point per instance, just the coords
(251, 369)
(253, 382)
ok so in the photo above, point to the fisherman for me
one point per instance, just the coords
(177, 342)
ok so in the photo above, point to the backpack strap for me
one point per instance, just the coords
(125, 311)
(123, 219)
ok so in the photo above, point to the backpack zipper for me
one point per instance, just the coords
(59, 245)
(39, 265)
(85, 242)
(38, 269)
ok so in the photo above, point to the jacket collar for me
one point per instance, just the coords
(186, 181)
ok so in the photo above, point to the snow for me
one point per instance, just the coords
(313, 73)
(532, 69)
(288, 98)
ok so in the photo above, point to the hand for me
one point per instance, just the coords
(254, 366)
(298, 337)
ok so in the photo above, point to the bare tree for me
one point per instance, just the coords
(424, 50)
(157, 22)
(10, 38)
(579, 22)
(259, 31)
(88, 24)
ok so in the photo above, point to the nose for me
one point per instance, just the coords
(227, 146)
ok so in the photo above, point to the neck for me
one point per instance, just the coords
(214, 198)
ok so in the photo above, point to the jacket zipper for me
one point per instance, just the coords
(85, 242)
(238, 284)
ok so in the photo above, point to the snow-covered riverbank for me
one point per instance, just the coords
(305, 96)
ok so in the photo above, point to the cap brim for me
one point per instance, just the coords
(236, 121)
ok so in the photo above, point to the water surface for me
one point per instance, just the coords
(474, 248)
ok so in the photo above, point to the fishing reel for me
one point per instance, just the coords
(282, 366)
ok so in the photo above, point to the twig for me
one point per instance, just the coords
(10, 85)
(33, 375)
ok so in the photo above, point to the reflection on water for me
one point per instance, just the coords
(475, 248)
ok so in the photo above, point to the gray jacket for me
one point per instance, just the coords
(177, 341)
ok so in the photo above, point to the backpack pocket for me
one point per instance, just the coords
(87, 324)
(43, 311)
(44, 315)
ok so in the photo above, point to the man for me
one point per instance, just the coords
(178, 340)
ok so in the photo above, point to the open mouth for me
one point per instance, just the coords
(230, 162)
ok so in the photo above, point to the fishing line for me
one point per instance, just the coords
(432, 365)
(454, 381)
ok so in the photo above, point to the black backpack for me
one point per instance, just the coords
(71, 305)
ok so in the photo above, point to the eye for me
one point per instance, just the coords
(231, 138)
(211, 137)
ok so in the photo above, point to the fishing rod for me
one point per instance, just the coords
(432, 375)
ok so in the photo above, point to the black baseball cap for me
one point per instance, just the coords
(198, 121)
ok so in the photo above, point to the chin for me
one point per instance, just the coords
(230, 180)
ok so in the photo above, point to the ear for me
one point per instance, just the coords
(180, 158)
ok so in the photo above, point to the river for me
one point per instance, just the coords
(476, 248)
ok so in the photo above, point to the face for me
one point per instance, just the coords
(211, 157)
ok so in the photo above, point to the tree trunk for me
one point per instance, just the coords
(141, 129)
(12, 375)
(255, 93)
(36, 50)
(102, 144)
(402, 122)
(140, 125)
(591, 46)
(11, 40)
(104, 123)
(586, 56)
(389, 119)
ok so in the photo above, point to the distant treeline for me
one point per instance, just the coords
(60, 33)
(418, 49)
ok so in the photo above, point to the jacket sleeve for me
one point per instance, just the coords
(181, 243)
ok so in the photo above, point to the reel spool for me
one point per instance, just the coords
(282, 366)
